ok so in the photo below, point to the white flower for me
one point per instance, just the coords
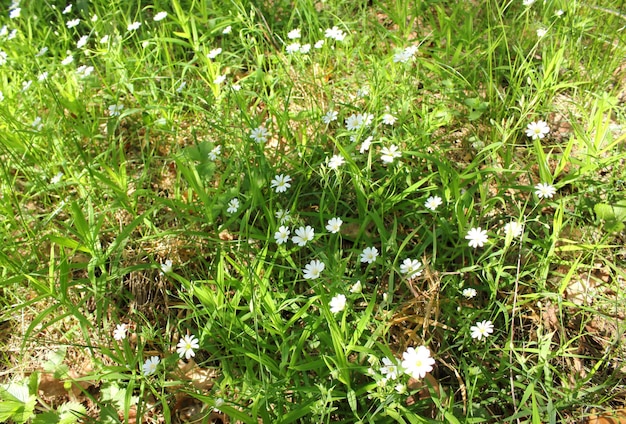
(15, 13)
(390, 153)
(133, 26)
(334, 225)
(369, 255)
(120, 332)
(214, 53)
(94, 18)
(150, 366)
(236, 87)
(72, 23)
(303, 235)
(69, 59)
(227, 30)
(42, 51)
(477, 237)
(390, 369)
(186, 345)
(305, 48)
(219, 79)
(281, 183)
(215, 152)
(337, 303)
(282, 235)
(481, 329)
(84, 71)
(411, 267)
(294, 34)
(433, 202)
(544, 191)
(513, 229)
(469, 292)
(160, 16)
(259, 134)
(293, 48)
(313, 269)
(405, 55)
(67, 9)
(57, 178)
(363, 92)
(559, 12)
(528, 2)
(319, 44)
(400, 388)
(336, 161)
(166, 267)
(26, 85)
(42, 76)
(233, 205)
(335, 33)
(541, 32)
(389, 119)
(104, 39)
(37, 125)
(365, 145)
(1, 96)
(181, 87)
(82, 41)
(356, 287)
(12, 35)
(282, 215)
(329, 117)
(417, 363)
(537, 129)
(114, 110)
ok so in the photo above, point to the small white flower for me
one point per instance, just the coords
(233, 206)
(186, 345)
(305, 48)
(214, 53)
(313, 269)
(433, 202)
(282, 215)
(363, 92)
(388, 154)
(469, 293)
(417, 363)
(37, 125)
(72, 23)
(335, 33)
(513, 229)
(329, 117)
(400, 388)
(544, 191)
(319, 44)
(94, 18)
(528, 3)
(559, 13)
(282, 235)
(334, 225)
(166, 267)
(369, 255)
(15, 13)
(356, 287)
(481, 329)
(115, 110)
(236, 87)
(82, 42)
(181, 86)
(538, 129)
(42, 51)
(84, 71)
(293, 48)
(104, 39)
(1, 96)
(389, 119)
(281, 183)
(215, 152)
(68, 59)
(120, 332)
(42, 76)
(219, 79)
(337, 303)
(57, 178)
(160, 16)
(294, 34)
(227, 30)
(390, 369)
(150, 366)
(259, 134)
(303, 235)
(26, 85)
(336, 161)
(365, 145)
(67, 9)
(411, 267)
(12, 35)
(134, 26)
(477, 237)
(541, 32)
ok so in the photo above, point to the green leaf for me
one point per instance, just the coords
(71, 412)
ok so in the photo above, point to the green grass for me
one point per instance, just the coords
(107, 174)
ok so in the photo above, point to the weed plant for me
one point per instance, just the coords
(297, 211)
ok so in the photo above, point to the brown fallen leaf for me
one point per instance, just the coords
(616, 417)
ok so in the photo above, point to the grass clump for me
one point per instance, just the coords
(312, 212)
